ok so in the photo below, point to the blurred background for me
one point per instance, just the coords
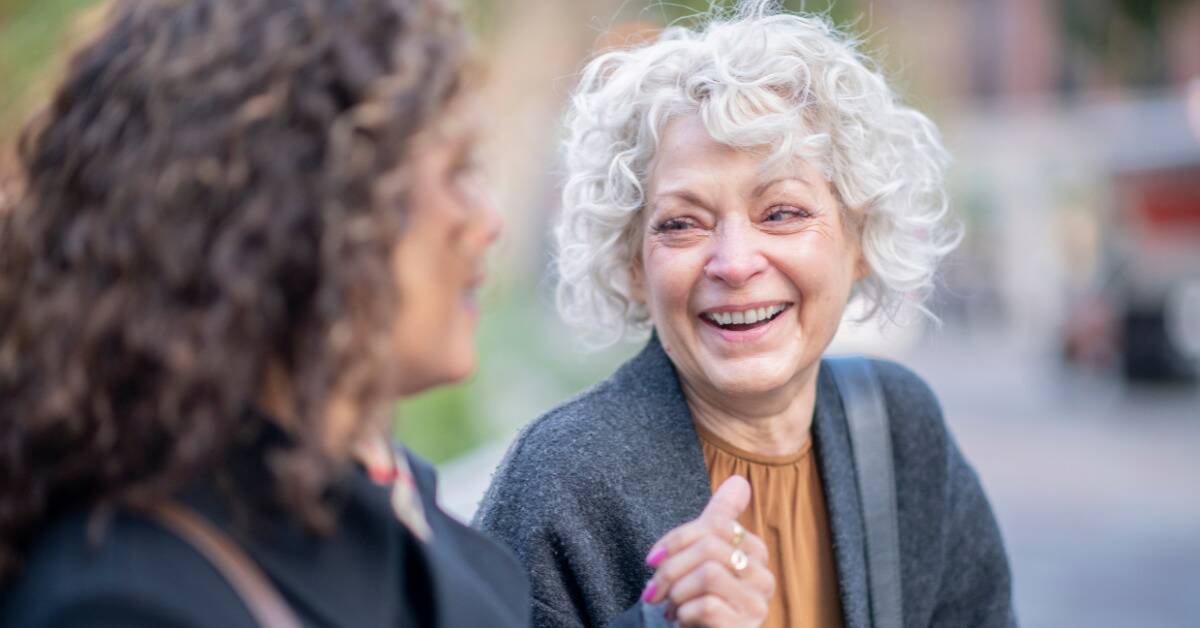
(1067, 357)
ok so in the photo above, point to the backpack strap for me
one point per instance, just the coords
(871, 441)
(261, 598)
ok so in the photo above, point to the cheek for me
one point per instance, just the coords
(410, 283)
(420, 265)
(821, 269)
(669, 277)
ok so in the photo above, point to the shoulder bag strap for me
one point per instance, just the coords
(871, 440)
(261, 598)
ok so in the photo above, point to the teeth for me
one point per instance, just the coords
(747, 317)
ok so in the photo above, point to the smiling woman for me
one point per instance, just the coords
(805, 93)
(717, 249)
(732, 188)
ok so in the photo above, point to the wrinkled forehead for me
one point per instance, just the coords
(778, 139)
(687, 141)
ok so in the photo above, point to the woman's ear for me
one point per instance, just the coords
(637, 281)
(861, 267)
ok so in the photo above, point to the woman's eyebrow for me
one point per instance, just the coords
(683, 194)
(763, 187)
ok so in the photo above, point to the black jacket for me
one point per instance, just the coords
(586, 490)
(370, 572)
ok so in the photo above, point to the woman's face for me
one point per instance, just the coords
(745, 272)
(439, 261)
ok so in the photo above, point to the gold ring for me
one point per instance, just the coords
(739, 533)
(738, 560)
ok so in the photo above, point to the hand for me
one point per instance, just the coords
(695, 570)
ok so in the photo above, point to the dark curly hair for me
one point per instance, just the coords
(200, 205)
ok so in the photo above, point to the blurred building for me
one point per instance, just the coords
(1073, 125)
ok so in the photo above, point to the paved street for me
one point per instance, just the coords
(1097, 487)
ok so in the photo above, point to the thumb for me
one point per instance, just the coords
(730, 498)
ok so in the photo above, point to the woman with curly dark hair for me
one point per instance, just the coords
(243, 227)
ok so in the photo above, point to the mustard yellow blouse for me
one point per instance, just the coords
(787, 511)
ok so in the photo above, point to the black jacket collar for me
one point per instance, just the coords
(351, 577)
(371, 571)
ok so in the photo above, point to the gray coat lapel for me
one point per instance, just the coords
(665, 466)
(831, 441)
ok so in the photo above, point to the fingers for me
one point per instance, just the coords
(755, 548)
(709, 610)
(679, 539)
(671, 570)
(729, 500)
(694, 568)
(747, 592)
(723, 509)
(709, 548)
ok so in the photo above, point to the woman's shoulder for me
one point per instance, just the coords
(946, 521)
(922, 443)
(913, 406)
(926, 452)
(902, 385)
(87, 570)
(576, 453)
(557, 440)
(468, 564)
(599, 420)
(588, 417)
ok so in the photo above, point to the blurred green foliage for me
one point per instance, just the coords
(441, 424)
(1125, 35)
(527, 363)
(32, 34)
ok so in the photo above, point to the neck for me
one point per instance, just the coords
(774, 423)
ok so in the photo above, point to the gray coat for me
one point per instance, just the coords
(587, 489)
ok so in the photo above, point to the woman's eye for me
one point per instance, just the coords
(466, 166)
(673, 224)
(785, 212)
(465, 171)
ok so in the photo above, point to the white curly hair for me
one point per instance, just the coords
(758, 78)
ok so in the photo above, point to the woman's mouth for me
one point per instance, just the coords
(744, 319)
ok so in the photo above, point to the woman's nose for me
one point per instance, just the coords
(736, 258)
(474, 241)
(493, 221)
(488, 222)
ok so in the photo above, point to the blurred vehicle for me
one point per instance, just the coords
(1143, 313)
(1160, 228)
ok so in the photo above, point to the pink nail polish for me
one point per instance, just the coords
(656, 557)
(651, 589)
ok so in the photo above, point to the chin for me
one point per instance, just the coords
(459, 358)
(461, 369)
(433, 376)
(433, 368)
(745, 388)
(750, 379)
